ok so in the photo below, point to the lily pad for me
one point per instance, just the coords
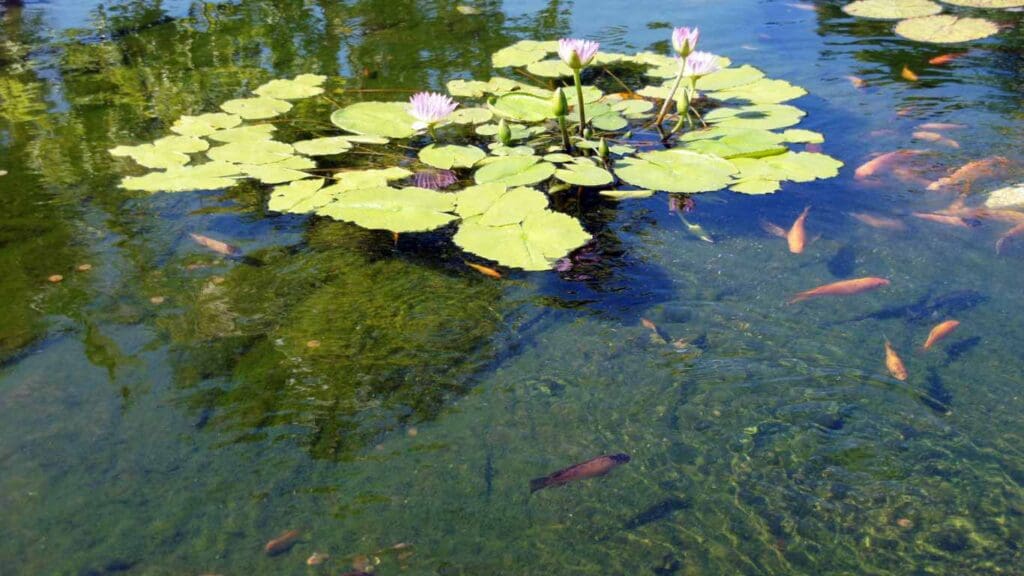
(387, 119)
(987, 3)
(534, 244)
(550, 69)
(256, 108)
(515, 171)
(522, 107)
(676, 171)
(406, 210)
(727, 78)
(151, 156)
(946, 29)
(467, 88)
(182, 144)
(892, 9)
(275, 173)
(762, 116)
(584, 175)
(518, 54)
(371, 178)
(297, 197)
(740, 144)
(292, 89)
(251, 152)
(205, 124)
(209, 176)
(763, 91)
(323, 146)
(451, 156)
(798, 136)
(471, 116)
(518, 131)
(243, 133)
(764, 175)
(626, 194)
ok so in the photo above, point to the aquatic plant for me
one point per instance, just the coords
(922, 20)
(508, 141)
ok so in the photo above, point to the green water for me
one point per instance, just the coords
(164, 413)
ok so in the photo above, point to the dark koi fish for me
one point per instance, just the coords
(590, 469)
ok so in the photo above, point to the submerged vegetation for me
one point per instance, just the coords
(488, 163)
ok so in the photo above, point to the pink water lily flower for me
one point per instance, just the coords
(701, 64)
(577, 53)
(429, 108)
(684, 40)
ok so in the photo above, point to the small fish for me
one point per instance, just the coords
(489, 272)
(946, 58)
(996, 214)
(935, 137)
(942, 219)
(894, 363)
(927, 309)
(940, 126)
(317, 559)
(696, 229)
(282, 543)
(883, 162)
(939, 332)
(879, 222)
(858, 83)
(590, 469)
(971, 171)
(842, 288)
(938, 397)
(909, 74)
(657, 512)
(844, 263)
(797, 236)
(215, 245)
(1011, 233)
(656, 334)
(773, 229)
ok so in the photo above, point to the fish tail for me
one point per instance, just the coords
(539, 484)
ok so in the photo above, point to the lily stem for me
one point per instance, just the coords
(565, 133)
(579, 99)
(672, 93)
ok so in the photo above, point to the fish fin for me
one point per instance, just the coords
(538, 484)
(773, 229)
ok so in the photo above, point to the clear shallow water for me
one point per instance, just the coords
(177, 438)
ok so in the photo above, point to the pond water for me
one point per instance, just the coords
(167, 410)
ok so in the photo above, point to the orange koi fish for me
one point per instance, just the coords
(797, 236)
(939, 332)
(489, 272)
(946, 58)
(894, 363)
(997, 214)
(858, 83)
(940, 126)
(282, 543)
(942, 219)
(215, 245)
(842, 288)
(590, 469)
(1015, 231)
(971, 171)
(883, 162)
(908, 74)
(879, 222)
(935, 137)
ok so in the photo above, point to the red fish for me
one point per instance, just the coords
(282, 543)
(894, 363)
(215, 245)
(797, 236)
(946, 58)
(942, 219)
(940, 126)
(1012, 232)
(842, 288)
(939, 332)
(590, 469)
(880, 222)
(971, 171)
(909, 74)
(883, 162)
(489, 272)
(928, 136)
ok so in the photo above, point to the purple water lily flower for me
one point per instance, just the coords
(577, 53)
(684, 40)
(429, 108)
(434, 179)
(701, 64)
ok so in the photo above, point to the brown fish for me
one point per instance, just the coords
(797, 236)
(215, 245)
(883, 162)
(971, 171)
(842, 288)
(489, 272)
(1012, 232)
(946, 58)
(590, 469)
(282, 543)
(928, 136)
(880, 222)
(942, 219)
(894, 363)
(908, 74)
(939, 332)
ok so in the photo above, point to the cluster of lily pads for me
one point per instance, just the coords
(921, 20)
(487, 163)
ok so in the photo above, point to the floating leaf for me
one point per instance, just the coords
(272, 173)
(467, 88)
(323, 146)
(205, 124)
(558, 158)
(741, 143)
(406, 210)
(633, 108)
(477, 199)
(519, 132)
(451, 156)
(763, 91)
(363, 139)
(626, 194)
(519, 54)
(308, 86)
(797, 136)
(584, 175)
(761, 176)
(471, 116)
(987, 3)
(297, 197)
(151, 156)
(676, 171)
(182, 144)
(892, 9)
(729, 78)
(522, 107)
(251, 152)
(387, 119)
(243, 133)
(372, 178)
(209, 176)
(762, 116)
(550, 69)
(515, 171)
(946, 29)
(256, 108)
(535, 244)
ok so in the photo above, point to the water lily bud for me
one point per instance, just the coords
(602, 150)
(587, 132)
(559, 105)
(504, 133)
